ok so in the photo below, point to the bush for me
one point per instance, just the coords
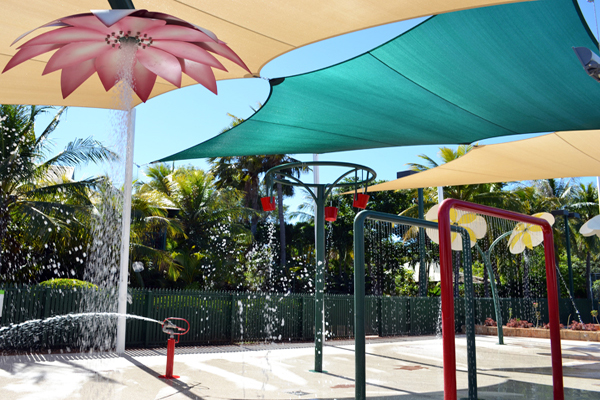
(517, 323)
(67, 284)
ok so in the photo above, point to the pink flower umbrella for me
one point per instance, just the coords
(165, 45)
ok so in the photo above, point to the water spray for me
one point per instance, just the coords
(172, 330)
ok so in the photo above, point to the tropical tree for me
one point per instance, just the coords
(208, 223)
(585, 202)
(488, 193)
(38, 203)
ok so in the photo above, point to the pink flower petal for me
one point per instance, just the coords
(201, 73)
(56, 22)
(107, 65)
(66, 35)
(89, 22)
(188, 51)
(133, 25)
(29, 52)
(143, 81)
(110, 17)
(72, 77)
(181, 33)
(74, 53)
(209, 33)
(224, 51)
(161, 63)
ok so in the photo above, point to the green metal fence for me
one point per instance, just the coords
(225, 317)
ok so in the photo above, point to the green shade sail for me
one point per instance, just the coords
(455, 78)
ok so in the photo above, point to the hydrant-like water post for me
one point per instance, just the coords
(173, 331)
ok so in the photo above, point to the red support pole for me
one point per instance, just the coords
(553, 315)
(448, 300)
(170, 359)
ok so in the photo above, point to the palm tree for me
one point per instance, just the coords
(37, 203)
(585, 202)
(488, 193)
(205, 215)
(243, 173)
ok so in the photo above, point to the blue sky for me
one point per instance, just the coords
(182, 118)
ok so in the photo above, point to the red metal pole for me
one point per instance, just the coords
(553, 314)
(170, 358)
(448, 300)
(449, 352)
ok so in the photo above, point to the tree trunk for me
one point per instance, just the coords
(252, 190)
(4, 218)
(283, 260)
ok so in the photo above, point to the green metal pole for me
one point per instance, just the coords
(359, 297)
(423, 279)
(469, 316)
(488, 265)
(568, 240)
(319, 278)
(497, 307)
(121, 4)
(360, 388)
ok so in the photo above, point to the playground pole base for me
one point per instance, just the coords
(169, 377)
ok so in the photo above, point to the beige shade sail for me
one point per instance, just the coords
(257, 30)
(556, 155)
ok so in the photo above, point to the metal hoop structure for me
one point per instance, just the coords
(278, 175)
(319, 193)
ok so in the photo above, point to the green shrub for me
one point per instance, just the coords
(67, 284)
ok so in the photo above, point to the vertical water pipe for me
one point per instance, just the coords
(423, 278)
(320, 278)
(319, 267)
(125, 230)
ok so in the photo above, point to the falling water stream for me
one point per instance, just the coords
(569, 292)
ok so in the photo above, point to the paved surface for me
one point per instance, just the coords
(400, 368)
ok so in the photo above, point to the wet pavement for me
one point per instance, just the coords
(397, 368)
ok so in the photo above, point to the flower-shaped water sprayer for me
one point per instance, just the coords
(527, 235)
(474, 224)
(160, 45)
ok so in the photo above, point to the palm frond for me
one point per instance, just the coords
(82, 152)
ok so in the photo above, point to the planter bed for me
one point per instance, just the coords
(566, 334)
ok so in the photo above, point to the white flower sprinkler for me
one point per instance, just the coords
(474, 224)
(592, 227)
(527, 235)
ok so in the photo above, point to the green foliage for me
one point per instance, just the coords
(65, 283)
(405, 283)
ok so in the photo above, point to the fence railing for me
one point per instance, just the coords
(226, 317)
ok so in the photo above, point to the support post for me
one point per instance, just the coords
(568, 246)
(125, 231)
(320, 278)
(170, 360)
(469, 315)
(423, 278)
(360, 389)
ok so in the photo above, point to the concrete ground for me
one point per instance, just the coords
(398, 368)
